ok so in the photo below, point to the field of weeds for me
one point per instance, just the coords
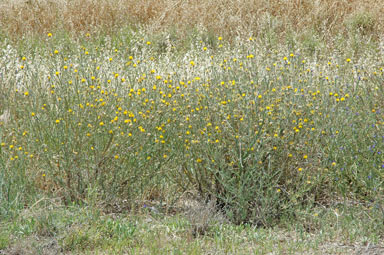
(211, 132)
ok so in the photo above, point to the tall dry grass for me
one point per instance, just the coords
(226, 17)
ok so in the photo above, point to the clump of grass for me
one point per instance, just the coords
(362, 22)
(202, 216)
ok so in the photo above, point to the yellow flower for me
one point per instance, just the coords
(57, 121)
(49, 34)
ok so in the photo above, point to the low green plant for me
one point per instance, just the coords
(362, 22)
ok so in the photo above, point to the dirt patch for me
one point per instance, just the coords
(34, 245)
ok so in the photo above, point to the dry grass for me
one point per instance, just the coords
(225, 17)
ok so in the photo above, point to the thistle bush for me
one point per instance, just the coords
(260, 131)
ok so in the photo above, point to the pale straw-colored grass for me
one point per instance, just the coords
(225, 17)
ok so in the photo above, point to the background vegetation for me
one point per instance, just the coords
(210, 118)
(230, 18)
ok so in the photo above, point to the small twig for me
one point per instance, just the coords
(37, 202)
